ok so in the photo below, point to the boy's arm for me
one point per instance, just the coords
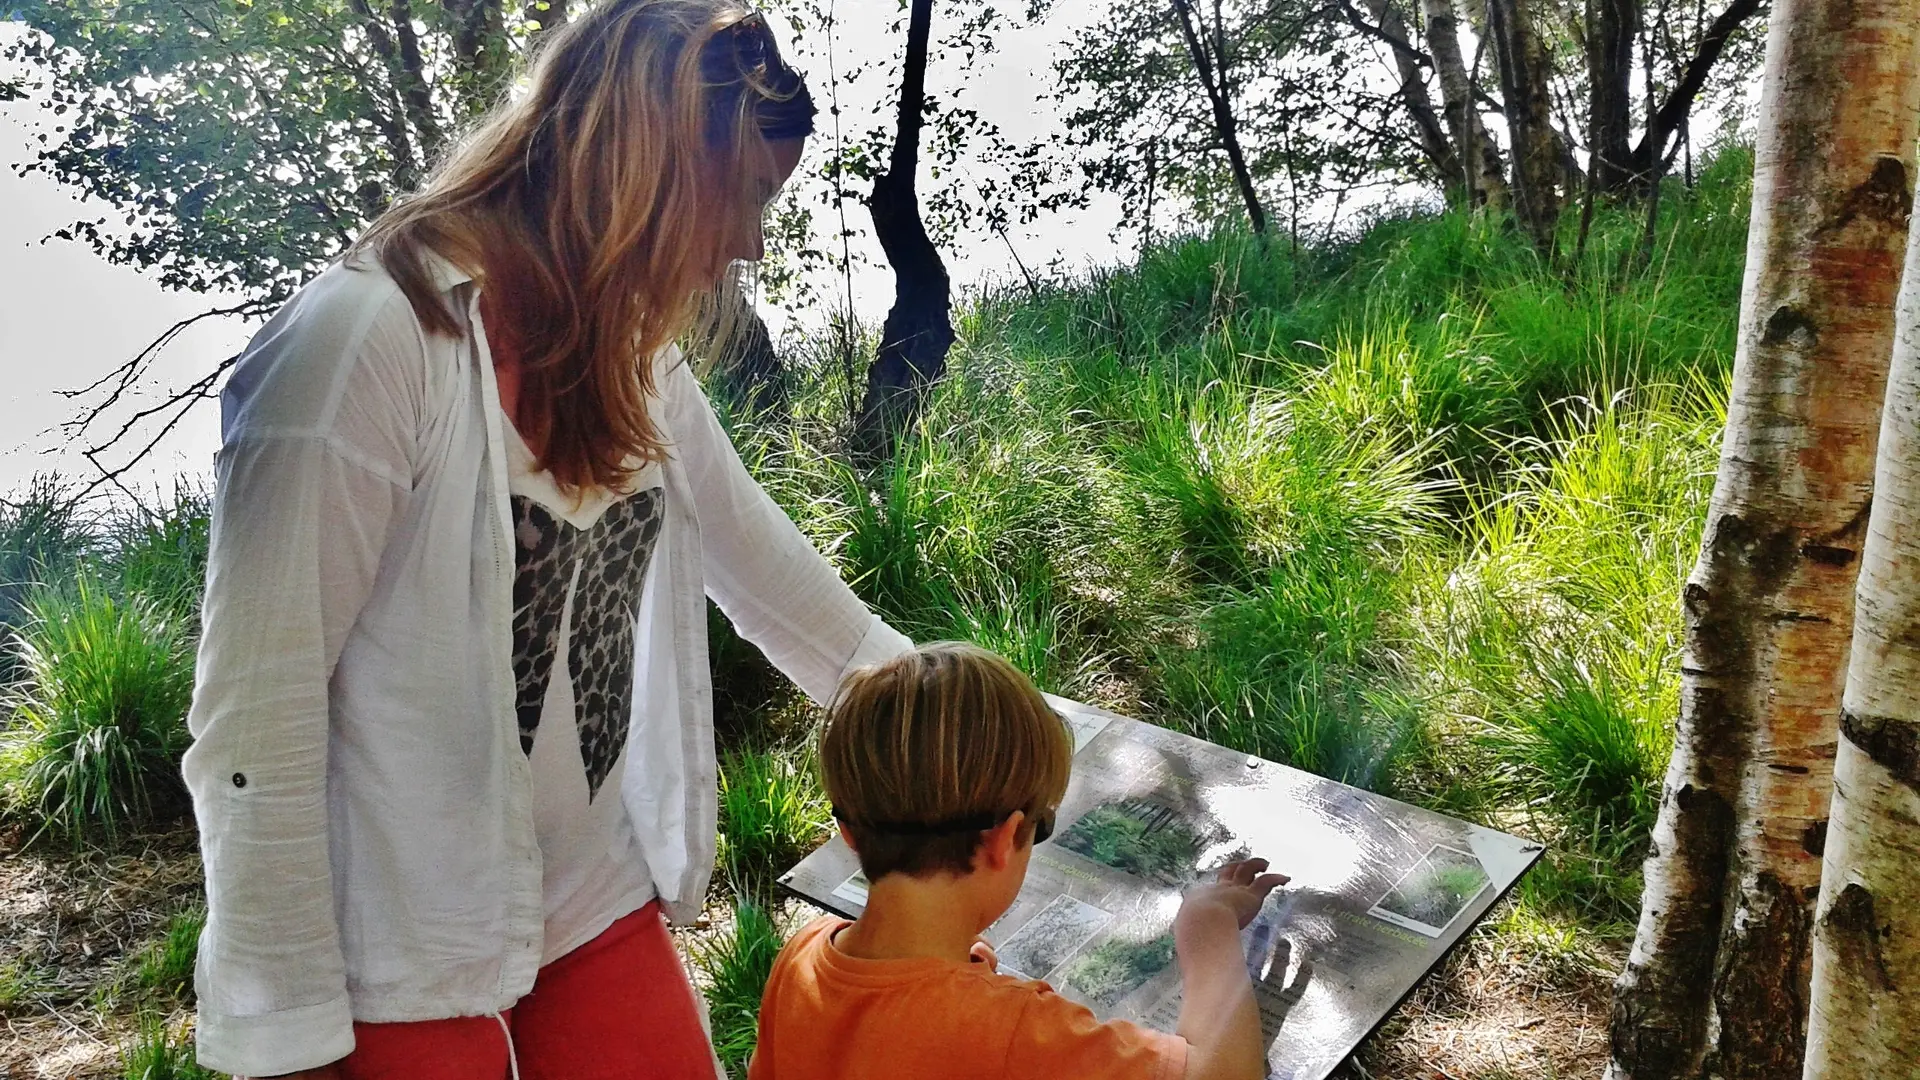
(1218, 1016)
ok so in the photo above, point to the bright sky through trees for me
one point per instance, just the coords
(67, 316)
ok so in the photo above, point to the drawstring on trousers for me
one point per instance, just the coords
(513, 1060)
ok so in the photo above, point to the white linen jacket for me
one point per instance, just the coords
(363, 801)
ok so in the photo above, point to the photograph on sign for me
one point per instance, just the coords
(1142, 838)
(1434, 892)
(1120, 964)
(1050, 937)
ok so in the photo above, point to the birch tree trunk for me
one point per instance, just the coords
(1479, 154)
(1716, 980)
(1427, 126)
(1866, 942)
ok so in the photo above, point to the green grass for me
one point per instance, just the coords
(98, 721)
(167, 965)
(160, 1051)
(772, 812)
(44, 534)
(159, 550)
(737, 965)
(1410, 511)
(21, 982)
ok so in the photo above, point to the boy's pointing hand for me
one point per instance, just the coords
(1240, 887)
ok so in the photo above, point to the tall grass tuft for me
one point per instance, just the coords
(1020, 618)
(167, 965)
(1558, 640)
(1299, 670)
(772, 812)
(160, 1051)
(737, 965)
(159, 550)
(44, 534)
(98, 720)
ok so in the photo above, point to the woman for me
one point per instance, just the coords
(453, 746)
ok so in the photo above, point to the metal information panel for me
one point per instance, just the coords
(1381, 890)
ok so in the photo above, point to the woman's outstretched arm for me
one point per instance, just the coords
(776, 587)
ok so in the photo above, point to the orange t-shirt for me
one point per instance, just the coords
(829, 1016)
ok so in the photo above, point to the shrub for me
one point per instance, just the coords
(160, 551)
(44, 533)
(98, 721)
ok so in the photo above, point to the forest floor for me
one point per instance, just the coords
(74, 929)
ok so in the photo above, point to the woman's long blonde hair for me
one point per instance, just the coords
(579, 206)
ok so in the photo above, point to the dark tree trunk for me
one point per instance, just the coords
(917, 334)
(750, 372)
(1611, 27)
(485, 59)
(1673, 112)
(1524, 70)
(1212, 70)
(393, 121)
(1440, 151)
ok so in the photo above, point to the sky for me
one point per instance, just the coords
(68, 317)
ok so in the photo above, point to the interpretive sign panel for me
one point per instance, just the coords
(1380, 891)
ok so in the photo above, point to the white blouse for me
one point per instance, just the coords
(365, 806)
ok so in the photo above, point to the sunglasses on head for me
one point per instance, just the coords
(1042, 825)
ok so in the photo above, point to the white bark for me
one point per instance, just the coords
(1479, 156)
(1716, 981)
(1865, 1022)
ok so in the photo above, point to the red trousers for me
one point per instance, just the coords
(617, 1008)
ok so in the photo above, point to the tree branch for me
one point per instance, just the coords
(1396, 42)
(127, 374)
(413, 85)
(1679, 104)
(392, 128)
(181, 401)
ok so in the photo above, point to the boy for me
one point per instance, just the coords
(945, 767)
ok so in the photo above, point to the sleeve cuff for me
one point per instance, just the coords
(278, 1042)
(882, 642)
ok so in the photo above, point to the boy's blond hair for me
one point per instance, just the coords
(923, 752)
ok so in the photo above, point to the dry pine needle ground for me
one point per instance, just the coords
(74, 927)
